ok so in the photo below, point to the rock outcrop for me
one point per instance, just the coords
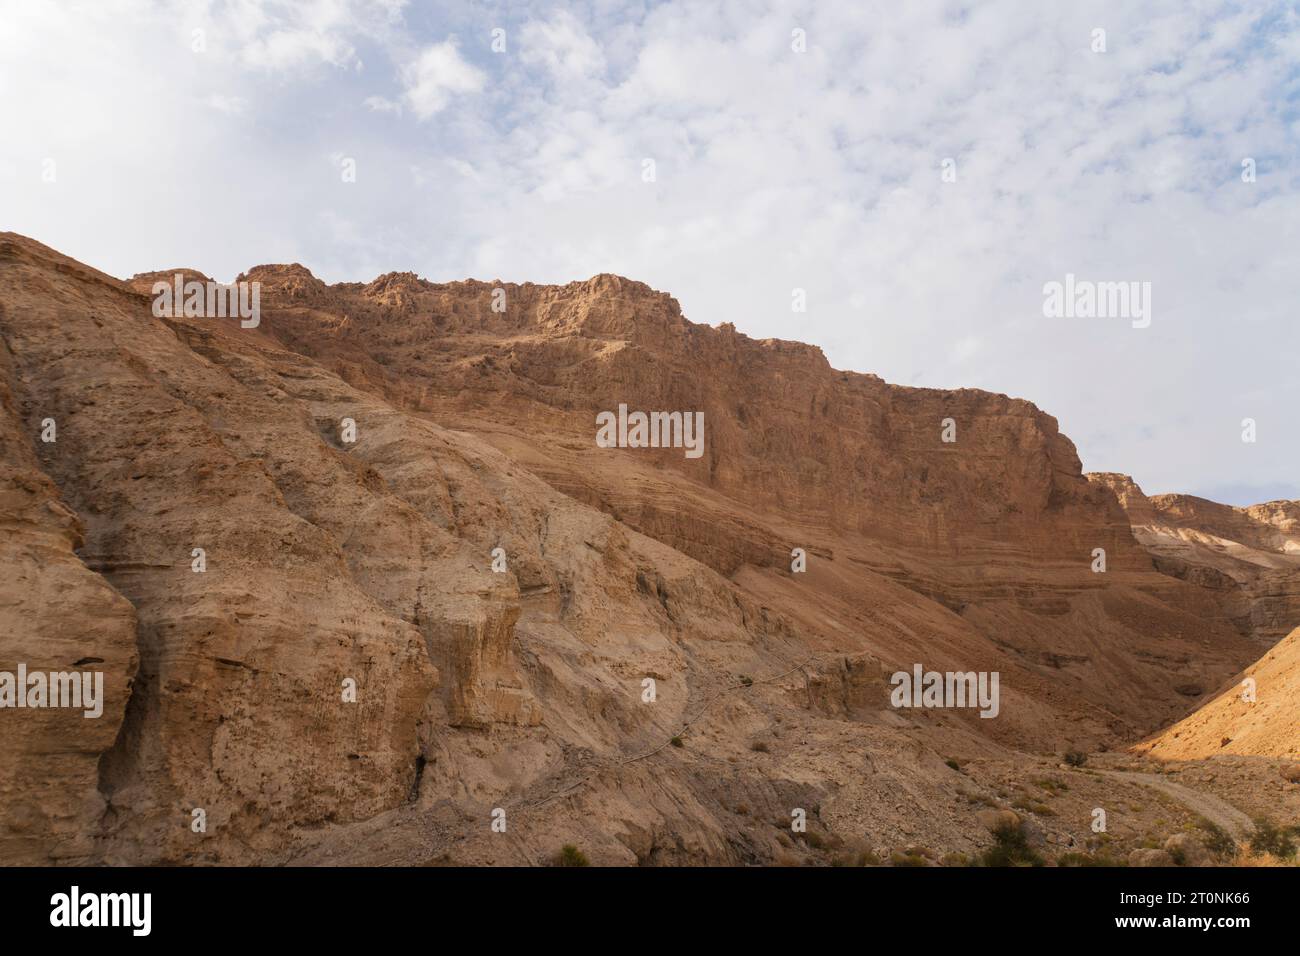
(58, 616)
(361, 582)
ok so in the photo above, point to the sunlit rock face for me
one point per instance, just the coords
(362, 582)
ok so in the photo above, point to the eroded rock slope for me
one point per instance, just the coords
(360, 576)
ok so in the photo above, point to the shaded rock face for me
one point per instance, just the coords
(56, 615)
(360, 577)
(236, 704)
(1248, 557)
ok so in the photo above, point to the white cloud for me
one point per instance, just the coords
(436, 75)
(774, 169)
(233, 105)
(562, 46)
(282, 36)
(381, 104)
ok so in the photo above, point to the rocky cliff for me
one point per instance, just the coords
(365, 588)
(1249, 556)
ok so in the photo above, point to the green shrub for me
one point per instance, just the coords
(1031, 806)
(1217, 840)
(819, 841)
(1076, 758)
(859, 856)
(1272, 839)
(1088, 859)
(1010, 848)
(898, 858)
(570, 855)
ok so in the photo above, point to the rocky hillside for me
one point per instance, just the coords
(364, 588)
(1257, 716)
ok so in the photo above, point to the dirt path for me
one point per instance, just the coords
(1217, 811)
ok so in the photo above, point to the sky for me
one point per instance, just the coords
(920, 171)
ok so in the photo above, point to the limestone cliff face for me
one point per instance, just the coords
(1249, 557)
(56, 615)
(998, 528)
(360, 577)
(785, 432)
(236, 706)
